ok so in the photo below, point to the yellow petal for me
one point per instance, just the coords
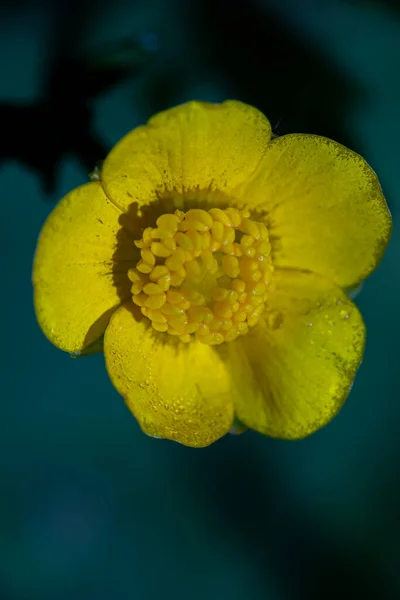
(293, 371)
(80, 268)
(176, 391)
(195, 146)
(325, 208)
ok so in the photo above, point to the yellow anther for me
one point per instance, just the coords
(159, 249)
(136, 287)
(238, 285)
(257, 289)
(185, 338)
(223, 309)
(173, 331)
(217, 230)
(175, 297)
(178, 321)
(176, 260)
(161, 234)
(207, 259)
(156, 315)
(140, 299)
(256, 300)
(203, 330)
(181, 271)
(206, 240)
(234, 216)
(134, 276)
(256, 276)
(228, 237)
(196, 225)
(196, 238)
(221, 216)
(263, 231)
(177, 280)
(251, 228)
(195, 297)
(147, 239)
(230, 264)
(200, 314)
(219, 294)
(168, 222)
(227, 324)
(240, 315)
(171, 310)
(193, 270)
(144, 267)
(148, 256)
(214, 338)
(152, 289)
(216, 324)
(160, 326)
(184, 241)
(158, 271)
(263, 248)
(192, 327)
(242, 328)
(184, 305)
(228, 249)
(170, 243)
(253, 317)
(251, 251)
(155, 301)
(231, 335)
(164, 282)
(247, 241)
(203, 275)
(232, 296)
(197, 214)
(248, 266)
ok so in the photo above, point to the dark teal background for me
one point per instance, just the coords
(91, 508)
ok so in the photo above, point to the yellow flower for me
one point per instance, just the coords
(213, 256)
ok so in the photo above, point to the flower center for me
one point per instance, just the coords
(203, 274)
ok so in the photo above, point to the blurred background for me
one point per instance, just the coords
(91, 508)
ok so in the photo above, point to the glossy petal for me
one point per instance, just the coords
(293, 371)
(80, 268)
(195, 146)
(325, 208)
(176, 391)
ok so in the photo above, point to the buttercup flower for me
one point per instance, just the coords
(212, 257)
